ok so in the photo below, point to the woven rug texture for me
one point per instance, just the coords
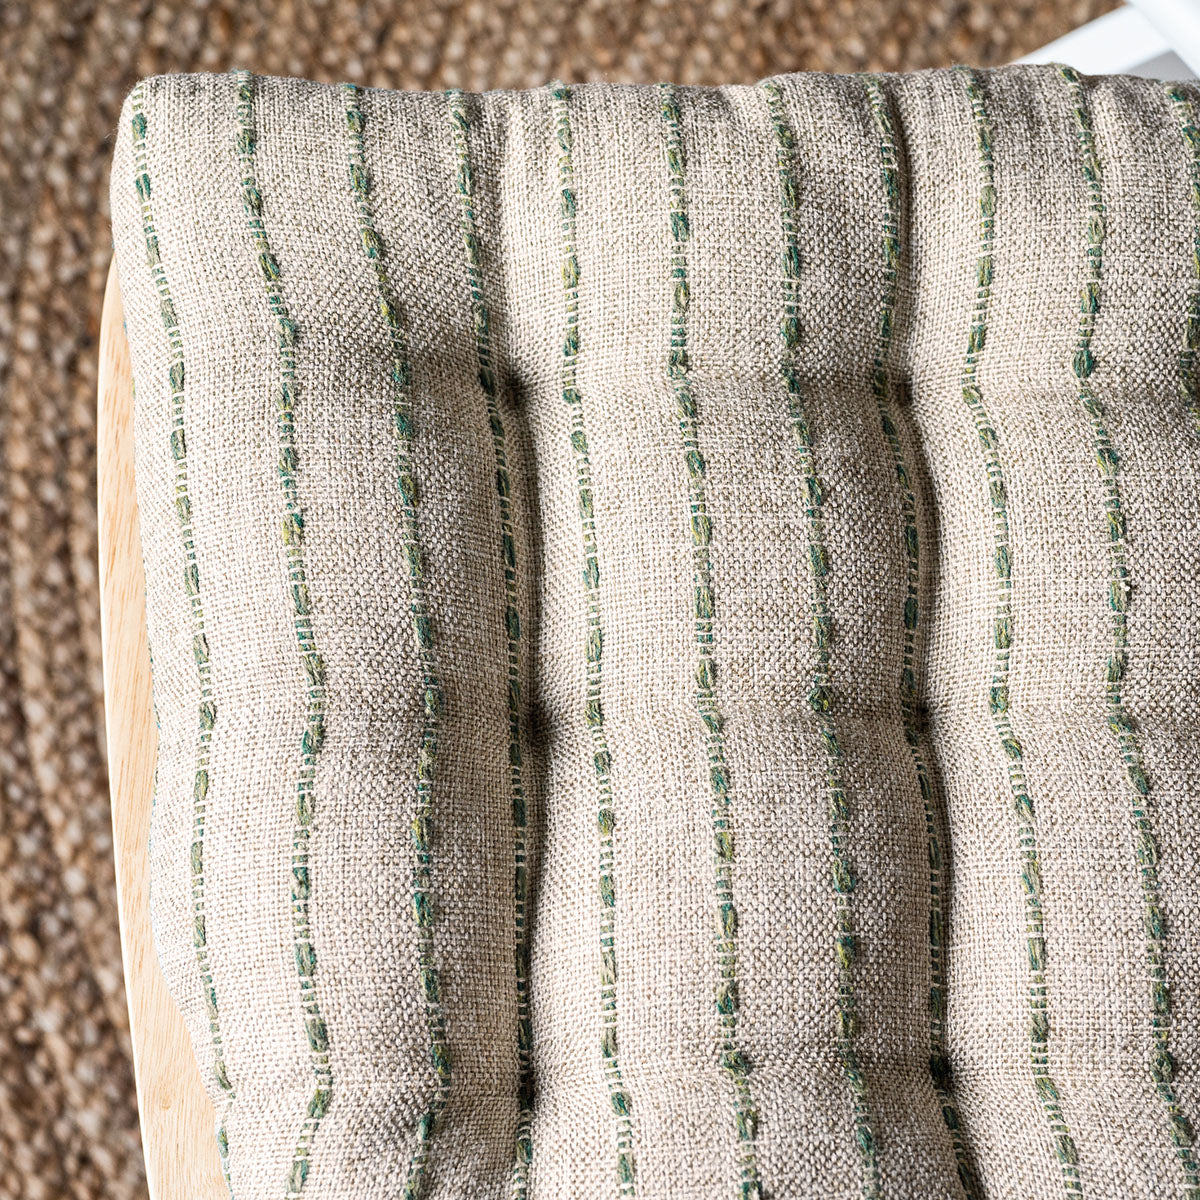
(68, 1117)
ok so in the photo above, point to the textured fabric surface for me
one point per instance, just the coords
(68, 1124)
(67, 1115)
(674, 632)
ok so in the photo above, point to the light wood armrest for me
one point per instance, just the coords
(176, 1116)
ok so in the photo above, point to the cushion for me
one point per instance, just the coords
(673, 615)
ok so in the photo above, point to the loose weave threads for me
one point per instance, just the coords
(733, 1060)
(1119, 597)
(432, 692)
(606, 816)
(311, 664)
(891, 252)
(176, 380)
(1189, 385)
(821, 627)
(460, 129)
(998, 696)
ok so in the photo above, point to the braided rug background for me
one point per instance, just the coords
(68, 1120)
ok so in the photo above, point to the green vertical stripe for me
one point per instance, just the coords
(424, 640)
(311, 665)
(1189, 385)
(523, 1148)
(726, 1001)
(1119, 596)
(998, 697)
(821, 697)
(606, 816)
(891, 251)
(207, 715)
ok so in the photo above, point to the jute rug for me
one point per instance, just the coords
(68, 1120)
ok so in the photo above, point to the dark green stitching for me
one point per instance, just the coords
(939, 1062)
(311, 662)
(593, 649)
(523, 1150)
(191, 583)
(1119, 597)
(733, 1059)
(998, 695)
(432, 695)
(821, 695)
(1189, 385)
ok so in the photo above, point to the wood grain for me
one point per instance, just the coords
(176, 1116)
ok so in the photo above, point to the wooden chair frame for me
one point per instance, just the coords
(178, 1136)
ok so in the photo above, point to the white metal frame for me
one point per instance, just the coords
(1155, 38)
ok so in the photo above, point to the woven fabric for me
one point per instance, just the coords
(673, 621)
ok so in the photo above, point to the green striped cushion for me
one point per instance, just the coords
(674, 616)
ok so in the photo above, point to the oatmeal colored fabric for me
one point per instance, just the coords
(68, 1116)
(673, 617)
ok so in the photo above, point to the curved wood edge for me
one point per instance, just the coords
(176, 1115)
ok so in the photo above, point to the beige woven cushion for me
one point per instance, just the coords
(674, 618)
